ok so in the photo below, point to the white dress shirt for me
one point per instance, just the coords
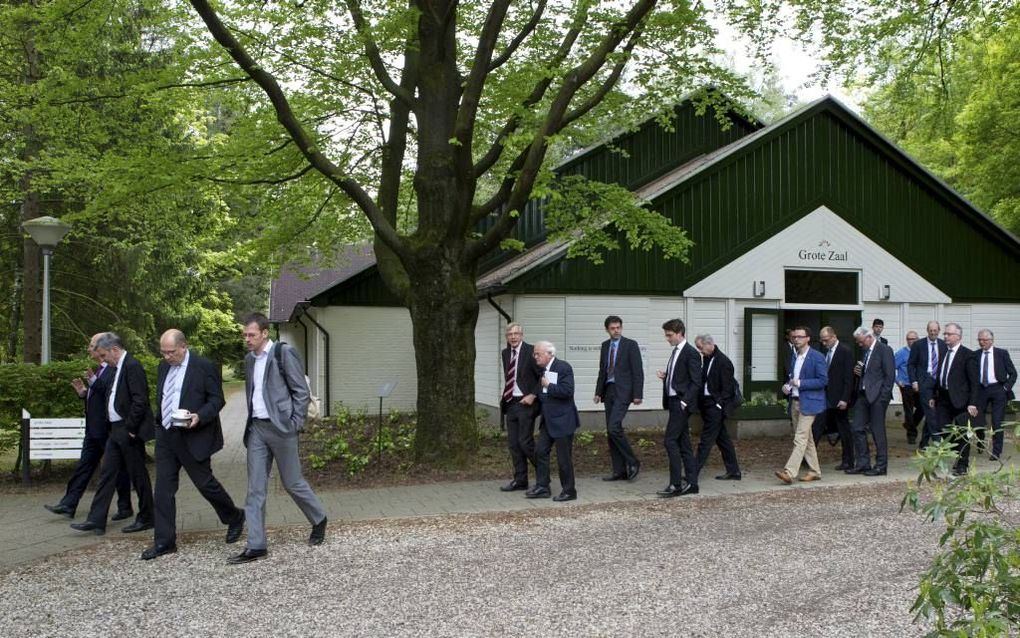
(797, 365)
(172, 390)
(258, 401)
(111, 412)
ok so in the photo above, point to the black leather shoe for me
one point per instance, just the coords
(234, 529)
(729, 477)
(991, 457)
(688, 489)
(137, 526)
(89, 526)
(62, 510)
(513, 486)
(615, 477)
(565, 496)
(632, 471)
(874, 472)
(841, 467)
(318, 532)
(247, 556)
(669, 491)
(857, 470)
(538, 492)
(959, 471)
(158, 550)
(122, 514)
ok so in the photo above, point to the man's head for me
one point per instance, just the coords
(877, 326)
(911, 337)
(933, 330)
(173, 346)
(614, 326)
(986, 338)
(800, 337)
(514, 334)
(544, 353)
(705, 344)
(92, 348)
(109, 348)
(864, 337)
(788, 335)
(256, 332)
(953, 334)
(827, 336)
(674, 331)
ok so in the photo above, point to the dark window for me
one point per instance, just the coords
(822, 287)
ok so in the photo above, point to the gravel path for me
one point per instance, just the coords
(823, 562)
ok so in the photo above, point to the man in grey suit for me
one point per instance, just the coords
(876, 375)
(278, 400)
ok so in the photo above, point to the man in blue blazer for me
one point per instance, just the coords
(924, 360)
(805, 387)
(559, 422)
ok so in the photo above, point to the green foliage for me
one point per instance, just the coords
(584, 437)
(972, 585)
(353, 439)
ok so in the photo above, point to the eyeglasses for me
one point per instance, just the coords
(799, 337)
(952, 334)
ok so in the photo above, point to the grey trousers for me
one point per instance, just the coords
(266, 442)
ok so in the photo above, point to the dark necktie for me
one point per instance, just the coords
(933, 359)
(511, 375)
(984, 368)
(669, 368)
(864, 368)
(612, 359)
(945, 368)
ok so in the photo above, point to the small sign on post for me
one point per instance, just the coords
(25, 443)
(385, 390)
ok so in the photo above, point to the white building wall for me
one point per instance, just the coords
(489, 340)
(891, 314)
(1003, 320)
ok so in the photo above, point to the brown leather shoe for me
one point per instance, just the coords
(810, 475)
(784, 476)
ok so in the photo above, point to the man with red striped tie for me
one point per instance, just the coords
(517, 404)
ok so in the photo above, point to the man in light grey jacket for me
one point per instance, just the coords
(278, 400)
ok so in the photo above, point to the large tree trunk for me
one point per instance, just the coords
(444, 311)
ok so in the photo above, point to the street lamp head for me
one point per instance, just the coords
(46, 231)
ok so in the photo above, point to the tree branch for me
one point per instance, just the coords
(270, 182)
(375, 57)
(464, 127)
(162, 87)
(528, 29)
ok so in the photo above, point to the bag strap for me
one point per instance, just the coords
(278, 355)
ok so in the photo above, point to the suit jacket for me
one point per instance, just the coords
(686, 378)
(132, 400)
(97, 418)
(963, 378)
(841, 383)
(559, 413)
(628, 373)
(814, 376)
(1005, 371)
(879, 375)
(529, 375)
(918, 366)
(722, 385)
(201, 394)
(287, 406)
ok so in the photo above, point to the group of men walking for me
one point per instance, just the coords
(697, 378)
(187, 430)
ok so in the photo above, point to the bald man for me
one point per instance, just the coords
(186, 381)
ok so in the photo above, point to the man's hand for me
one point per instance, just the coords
(79, 387)
(528, 399)
(597, 399)
(545, 381)
(661, 374)
(637, 401)
(972, 410)
(194, 421)
(795, 382)
(915, 386)
(841, 405)
(931, 403)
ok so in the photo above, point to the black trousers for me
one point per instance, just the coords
(713, 433)
(994, 397)
(836, 420)
(89, 461)
(678, 445)
(947, 416)
(564, 458)
(913, 411)
(870, 418)
(932, 427)
(620, 450)
(520, 437)
(121, 449)
(172, 454)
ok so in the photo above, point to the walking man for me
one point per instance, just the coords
(805, 387)
(716, 402)
(876, 376)
(187, 381)
(681, 382)
(922, 366)
(839, 389)
(278, 400)
(518, 405)
(996, 376)
(956, 396)
(621, 381)
(913, 413)
(559, 422)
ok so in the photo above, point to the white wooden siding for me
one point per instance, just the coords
(489, 340)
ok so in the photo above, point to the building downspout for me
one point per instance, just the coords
(499, 309)
(325, 337)
(305, 326)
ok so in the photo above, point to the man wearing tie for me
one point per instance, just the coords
(805, 387)
(559, 422)
(876, 376)
(913, 412)
(716, 401)
(996, 376)
(620, 382)
(681, 382)
(518, 404)
(956, 395)
(130, 416)
(189, 382)
(839, 390)
(922, 369)
(97, 430)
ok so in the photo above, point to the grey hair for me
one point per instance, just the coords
(546, 346)
(958, 327)
(706, 339)
(863, 331)
(109, 340)
(991, 335)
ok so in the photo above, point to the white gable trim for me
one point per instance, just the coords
(821, 240)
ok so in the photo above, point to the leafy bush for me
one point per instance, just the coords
(353, 438)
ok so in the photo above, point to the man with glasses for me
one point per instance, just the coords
(518, 405)
(922, 366)
(996, 376)
(805, 387)
(912, 410)
(956, 393)
(876, 375)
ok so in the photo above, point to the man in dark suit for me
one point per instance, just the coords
(956, 394)
(681, 382)
(621, 381)
(186, 381)
(877, 327)
(913, 412)
(876, 376)
(716, 402)
(97, 430)
(559, 422)
(996, 376)
(130, 419)
(922, 365)
(838, 395)
(518, 404)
